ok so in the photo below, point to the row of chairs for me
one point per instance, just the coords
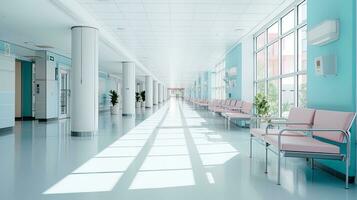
(307, 133)
(198, 102)
(232, 109)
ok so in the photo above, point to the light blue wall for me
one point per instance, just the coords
(234, 59)
(334, 92)
(204, 85)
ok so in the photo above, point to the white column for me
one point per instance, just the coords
(156, 92)
(148, 92)
(163, 93)
(128, 88)
(160, 92)
(84, 119)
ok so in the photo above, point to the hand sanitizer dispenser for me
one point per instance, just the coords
(325, 65)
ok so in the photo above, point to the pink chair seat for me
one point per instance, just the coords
(302, 144)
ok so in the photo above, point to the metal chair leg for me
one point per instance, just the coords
(266, 158)
(251, 146)
(279, 160)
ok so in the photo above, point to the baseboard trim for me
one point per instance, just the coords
(6, 131)
(82, 133)
(333, 172)
(47, 120)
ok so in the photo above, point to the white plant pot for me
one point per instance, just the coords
(143, 104)
(138, 104)
(114, 110)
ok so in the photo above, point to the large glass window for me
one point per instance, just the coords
(288, 54)
(273, 32)
(302, 90)
(302, 14)
(273, 97)
(302, 49)
(218, 84)
(273, 60)
(281, 60)
(288, 22)
(261, 65)
(287, 95)
(261, 40)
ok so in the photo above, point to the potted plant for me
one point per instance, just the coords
(142, 95)
(114, 100)
(262, 107)
(138, 100)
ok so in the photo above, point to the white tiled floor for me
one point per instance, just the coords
(175, 153)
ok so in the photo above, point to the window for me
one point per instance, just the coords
(273, 32)
(287, 95)
(287, 22)
(281, 61)
(261, 87)
(302, 49)
(288, 54)
(218, 84)
(273, 97)
(302, 12)
(261, 65)
(302, 90)
(261, 40)
(273, 60)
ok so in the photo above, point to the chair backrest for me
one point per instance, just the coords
(326, 119)
(234, 102)
(301, 115)
(247, 107)
(239, 104)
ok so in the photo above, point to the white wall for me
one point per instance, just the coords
(247, 68)
(7, 91)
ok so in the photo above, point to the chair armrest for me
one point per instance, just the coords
(346, 134)
(288, 123)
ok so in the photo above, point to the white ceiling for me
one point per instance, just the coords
(30, 22)
(176, 39)
(173, 39)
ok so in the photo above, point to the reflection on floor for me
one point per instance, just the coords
(174, 153)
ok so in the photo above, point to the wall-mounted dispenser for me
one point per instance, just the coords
(324, 33)
(326, 65)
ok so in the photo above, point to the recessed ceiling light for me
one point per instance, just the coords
(43, 46)
(239, 29)
(120, 29)
(30, 43)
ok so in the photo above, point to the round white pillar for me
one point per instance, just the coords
(84, 75)
(148, 92)
(128, 88)
(160, 92)
(156, 93)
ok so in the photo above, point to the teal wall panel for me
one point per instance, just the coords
(234, 60)
(204, 85)
(334, 92)
(26, 83)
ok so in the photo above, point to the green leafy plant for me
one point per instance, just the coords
(114, 97)
(137, 97)
(261, 105)
(142, 94)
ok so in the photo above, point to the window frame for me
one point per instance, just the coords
(296, 73)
